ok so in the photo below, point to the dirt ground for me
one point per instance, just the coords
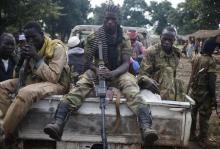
(184, 71)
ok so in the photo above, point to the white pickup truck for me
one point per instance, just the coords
(171, 119)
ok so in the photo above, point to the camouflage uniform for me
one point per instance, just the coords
(47, 77)
(204, 64)
(125, 82)
(162, 68)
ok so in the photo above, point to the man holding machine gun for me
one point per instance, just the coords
(116, 49)
(44, 72)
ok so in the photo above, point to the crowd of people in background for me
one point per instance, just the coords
(193, 46)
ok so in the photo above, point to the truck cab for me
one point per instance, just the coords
(82, 31)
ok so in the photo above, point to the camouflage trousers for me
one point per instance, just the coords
(204, 110)
(14, 110)
(127, 84)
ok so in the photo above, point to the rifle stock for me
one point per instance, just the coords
(22, 76)
(101, 92)
(217, 107)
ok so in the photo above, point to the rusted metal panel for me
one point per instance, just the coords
(76, 145)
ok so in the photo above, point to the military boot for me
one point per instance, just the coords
(149, 135)
(55, 128)
(10, 142)
(193, 136)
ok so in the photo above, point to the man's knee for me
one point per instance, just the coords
(25, 96)
(5, 102)
(74, 104)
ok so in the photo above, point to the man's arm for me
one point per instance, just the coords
(126, 54)
(146, 66)
(144, 77)
(212, 84)
(123, 67)
(51, 72)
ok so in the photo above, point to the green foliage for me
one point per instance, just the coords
(209, 11)
(99, 14)
(133, 13)
(193, 15)
(161, 13)
(75, 12)
(14, 14)
(185, 18)
(57, 16)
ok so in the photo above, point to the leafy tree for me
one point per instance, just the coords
(75, 12)
(185, 19)
(7, 14)
(133, 13)
(98, 12)
(56, 16)
(209, 13)
(14, 14)
(160, 13)
(193, 15)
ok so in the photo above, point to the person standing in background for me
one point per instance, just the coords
(75, 58)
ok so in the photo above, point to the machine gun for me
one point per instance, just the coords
(22, 75)
(216, 108)
(101, 92)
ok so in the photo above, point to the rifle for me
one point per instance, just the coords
(22, 75)
(193, 75)
(101, 92)
(216, 108)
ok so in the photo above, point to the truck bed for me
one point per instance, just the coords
(171, 119)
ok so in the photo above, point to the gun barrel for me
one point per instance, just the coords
(22, 75)
(103, 130)
(102, 93)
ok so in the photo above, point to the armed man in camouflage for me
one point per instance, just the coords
(116, 55)
(203, 84)
(159, 66)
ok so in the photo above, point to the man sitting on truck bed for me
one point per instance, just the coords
(116, 54)
(45, 72)
(160, 64)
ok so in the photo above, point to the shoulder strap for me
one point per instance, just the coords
(193, 73)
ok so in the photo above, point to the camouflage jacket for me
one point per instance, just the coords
(202, 65)
(162, 67)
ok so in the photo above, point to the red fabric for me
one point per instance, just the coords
(132, 34)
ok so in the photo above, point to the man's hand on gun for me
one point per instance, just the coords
(105, 73)
(29, 51)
